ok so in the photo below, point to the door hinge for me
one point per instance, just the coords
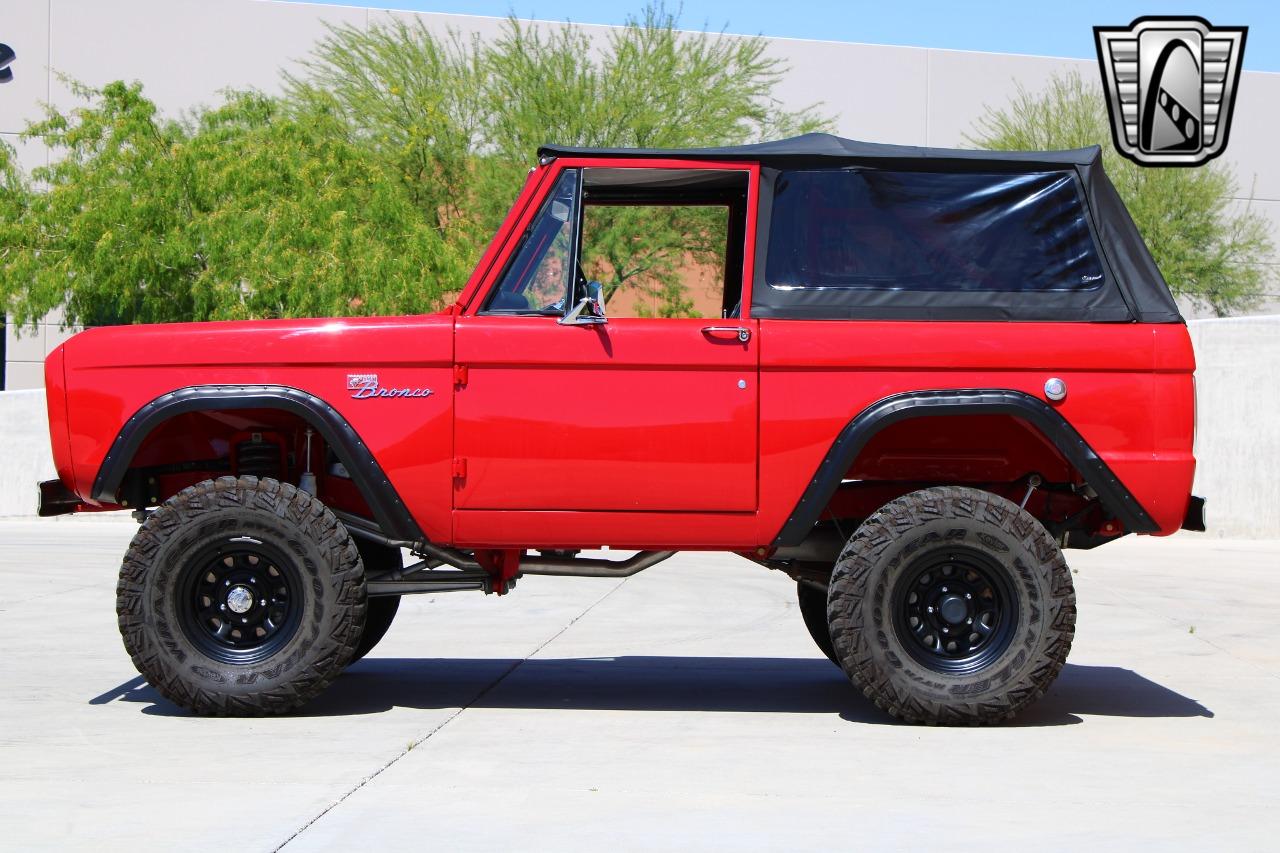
(459, 467)
(459, 375)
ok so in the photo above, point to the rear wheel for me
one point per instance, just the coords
(952, 605)
(813, 608)
(242, 597)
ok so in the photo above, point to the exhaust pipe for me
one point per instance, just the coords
(589, 567)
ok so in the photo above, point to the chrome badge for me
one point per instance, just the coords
(363, 386)
(1170, 86)
(357, 381)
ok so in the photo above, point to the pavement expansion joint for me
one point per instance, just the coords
(474, 701)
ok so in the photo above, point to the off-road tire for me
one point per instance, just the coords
(812, 601)
(206, 519)
(942, 524)
(381, 611)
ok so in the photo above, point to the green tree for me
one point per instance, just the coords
(413, 101)
(1209, 250)
(460, 120)
(243, 212)
(373, 183)
(15, 200)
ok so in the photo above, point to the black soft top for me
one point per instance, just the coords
(1135, 291)
(825, 149)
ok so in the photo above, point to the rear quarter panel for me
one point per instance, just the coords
(1129, 392)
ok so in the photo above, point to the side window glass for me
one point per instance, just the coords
(657, 260)
(536, 279)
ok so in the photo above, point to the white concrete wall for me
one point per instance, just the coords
(27, 459)
(1238, 440)
(186, 51)
(25, 350)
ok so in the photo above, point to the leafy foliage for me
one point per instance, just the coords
(459, 121)
(243, 213)
(410, 99)
(648, 249)
(372, 184)
(1209, 249)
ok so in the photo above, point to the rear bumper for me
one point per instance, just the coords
(1194, 519)
(56, 499)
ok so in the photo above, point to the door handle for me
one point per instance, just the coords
(743, 333)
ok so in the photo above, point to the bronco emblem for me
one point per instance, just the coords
(365, 385)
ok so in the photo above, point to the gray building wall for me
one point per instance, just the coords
(186, 51)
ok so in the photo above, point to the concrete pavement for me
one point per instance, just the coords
(683, 708)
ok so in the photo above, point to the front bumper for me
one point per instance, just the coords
(1194, 519)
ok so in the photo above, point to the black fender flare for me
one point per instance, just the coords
(1113, 494)
(388, 510)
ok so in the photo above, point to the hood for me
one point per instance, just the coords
(322, 341)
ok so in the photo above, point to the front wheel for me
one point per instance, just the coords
(951, 605)
(241, 597)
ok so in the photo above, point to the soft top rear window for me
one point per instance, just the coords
(874, 230)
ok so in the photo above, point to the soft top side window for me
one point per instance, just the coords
(870, 229)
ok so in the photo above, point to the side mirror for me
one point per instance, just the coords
(589, 310)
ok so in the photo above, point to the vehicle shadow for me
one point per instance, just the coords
(650, 683)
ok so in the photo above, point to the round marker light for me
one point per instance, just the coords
(1055, 389)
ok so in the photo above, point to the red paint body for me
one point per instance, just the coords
(636, 433)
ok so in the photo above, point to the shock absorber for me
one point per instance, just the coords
(307, 481)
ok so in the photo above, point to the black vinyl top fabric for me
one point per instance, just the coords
(1023, 235)
(824, 149)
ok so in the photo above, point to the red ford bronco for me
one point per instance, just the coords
(912, 377)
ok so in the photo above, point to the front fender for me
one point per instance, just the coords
(387, 507)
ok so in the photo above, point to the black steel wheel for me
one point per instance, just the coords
(812, 600)
(241, 597)
(951, 605)
(239, 602)
(955, 609)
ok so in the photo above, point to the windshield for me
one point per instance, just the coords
(537, 279)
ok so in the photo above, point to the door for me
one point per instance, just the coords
(633, 414)
(636, 413)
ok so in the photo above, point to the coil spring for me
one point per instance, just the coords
(258, 459)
